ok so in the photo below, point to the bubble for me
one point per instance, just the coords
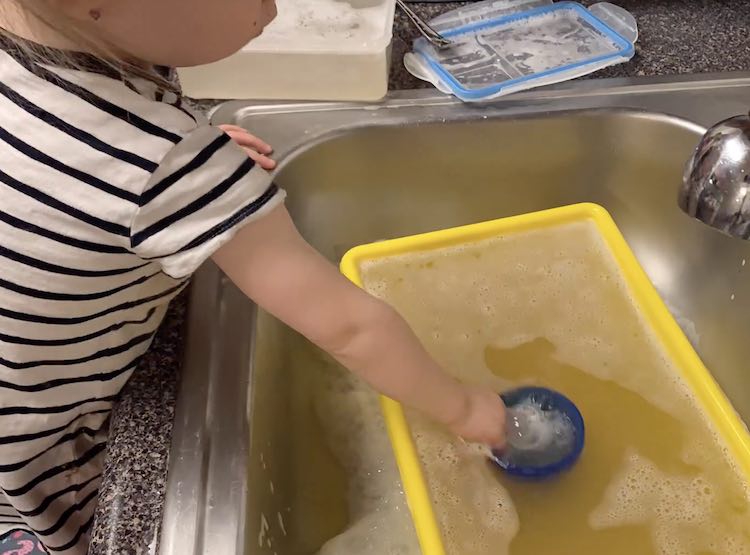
(537, 437)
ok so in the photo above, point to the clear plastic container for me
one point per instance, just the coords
(313, 50)
(503, 46)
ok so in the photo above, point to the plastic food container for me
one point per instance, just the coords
(707, 393)
(313, 50)
(504, 46)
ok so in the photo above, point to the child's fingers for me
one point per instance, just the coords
(243, 138)
(256, 148)
(229, 127)
(261, 159)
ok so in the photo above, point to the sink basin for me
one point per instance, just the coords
(250, 468)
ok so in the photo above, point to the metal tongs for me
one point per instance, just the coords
(436, 39)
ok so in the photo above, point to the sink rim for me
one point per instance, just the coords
(227, 112)
(304, 124)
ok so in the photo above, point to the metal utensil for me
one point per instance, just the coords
(436, 39)
(717, 178)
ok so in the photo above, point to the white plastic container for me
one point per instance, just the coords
(313, 50)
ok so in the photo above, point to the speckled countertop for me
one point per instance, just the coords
(676, 37)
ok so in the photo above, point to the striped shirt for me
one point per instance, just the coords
(111, 196)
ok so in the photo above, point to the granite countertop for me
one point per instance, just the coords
(676, 37)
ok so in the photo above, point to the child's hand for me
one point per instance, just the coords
(483, 420)
(255, 148)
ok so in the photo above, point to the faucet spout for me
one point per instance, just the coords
(716, 183)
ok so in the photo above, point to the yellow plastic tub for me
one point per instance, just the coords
(647, 300)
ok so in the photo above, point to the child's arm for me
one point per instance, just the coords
(281, 272)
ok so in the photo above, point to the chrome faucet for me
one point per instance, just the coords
(716, 184)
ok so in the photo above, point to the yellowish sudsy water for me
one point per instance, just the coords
(551, 308)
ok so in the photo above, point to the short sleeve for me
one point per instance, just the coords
(203, 191)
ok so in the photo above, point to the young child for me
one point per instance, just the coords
(111, 196)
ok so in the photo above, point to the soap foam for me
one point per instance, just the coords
(355, 431)
(674, 506)
(473, 519)
(559, 284)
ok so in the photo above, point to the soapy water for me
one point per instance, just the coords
(537, 437)
(641, 492)
(551, 308)
(380, 522)
(655, 479)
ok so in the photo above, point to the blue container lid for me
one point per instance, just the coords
(548, 400)
(501, 47)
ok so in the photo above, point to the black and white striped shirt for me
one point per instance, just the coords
(111, 195)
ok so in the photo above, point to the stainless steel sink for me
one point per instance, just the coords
(420, 162)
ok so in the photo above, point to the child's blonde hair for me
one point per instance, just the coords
(107, 55)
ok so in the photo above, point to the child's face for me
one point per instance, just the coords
(176, 32)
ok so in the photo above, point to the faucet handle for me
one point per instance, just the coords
(716, 184)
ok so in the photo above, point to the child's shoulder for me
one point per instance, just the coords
(94, 127)
(89, 95)
(144, 104)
